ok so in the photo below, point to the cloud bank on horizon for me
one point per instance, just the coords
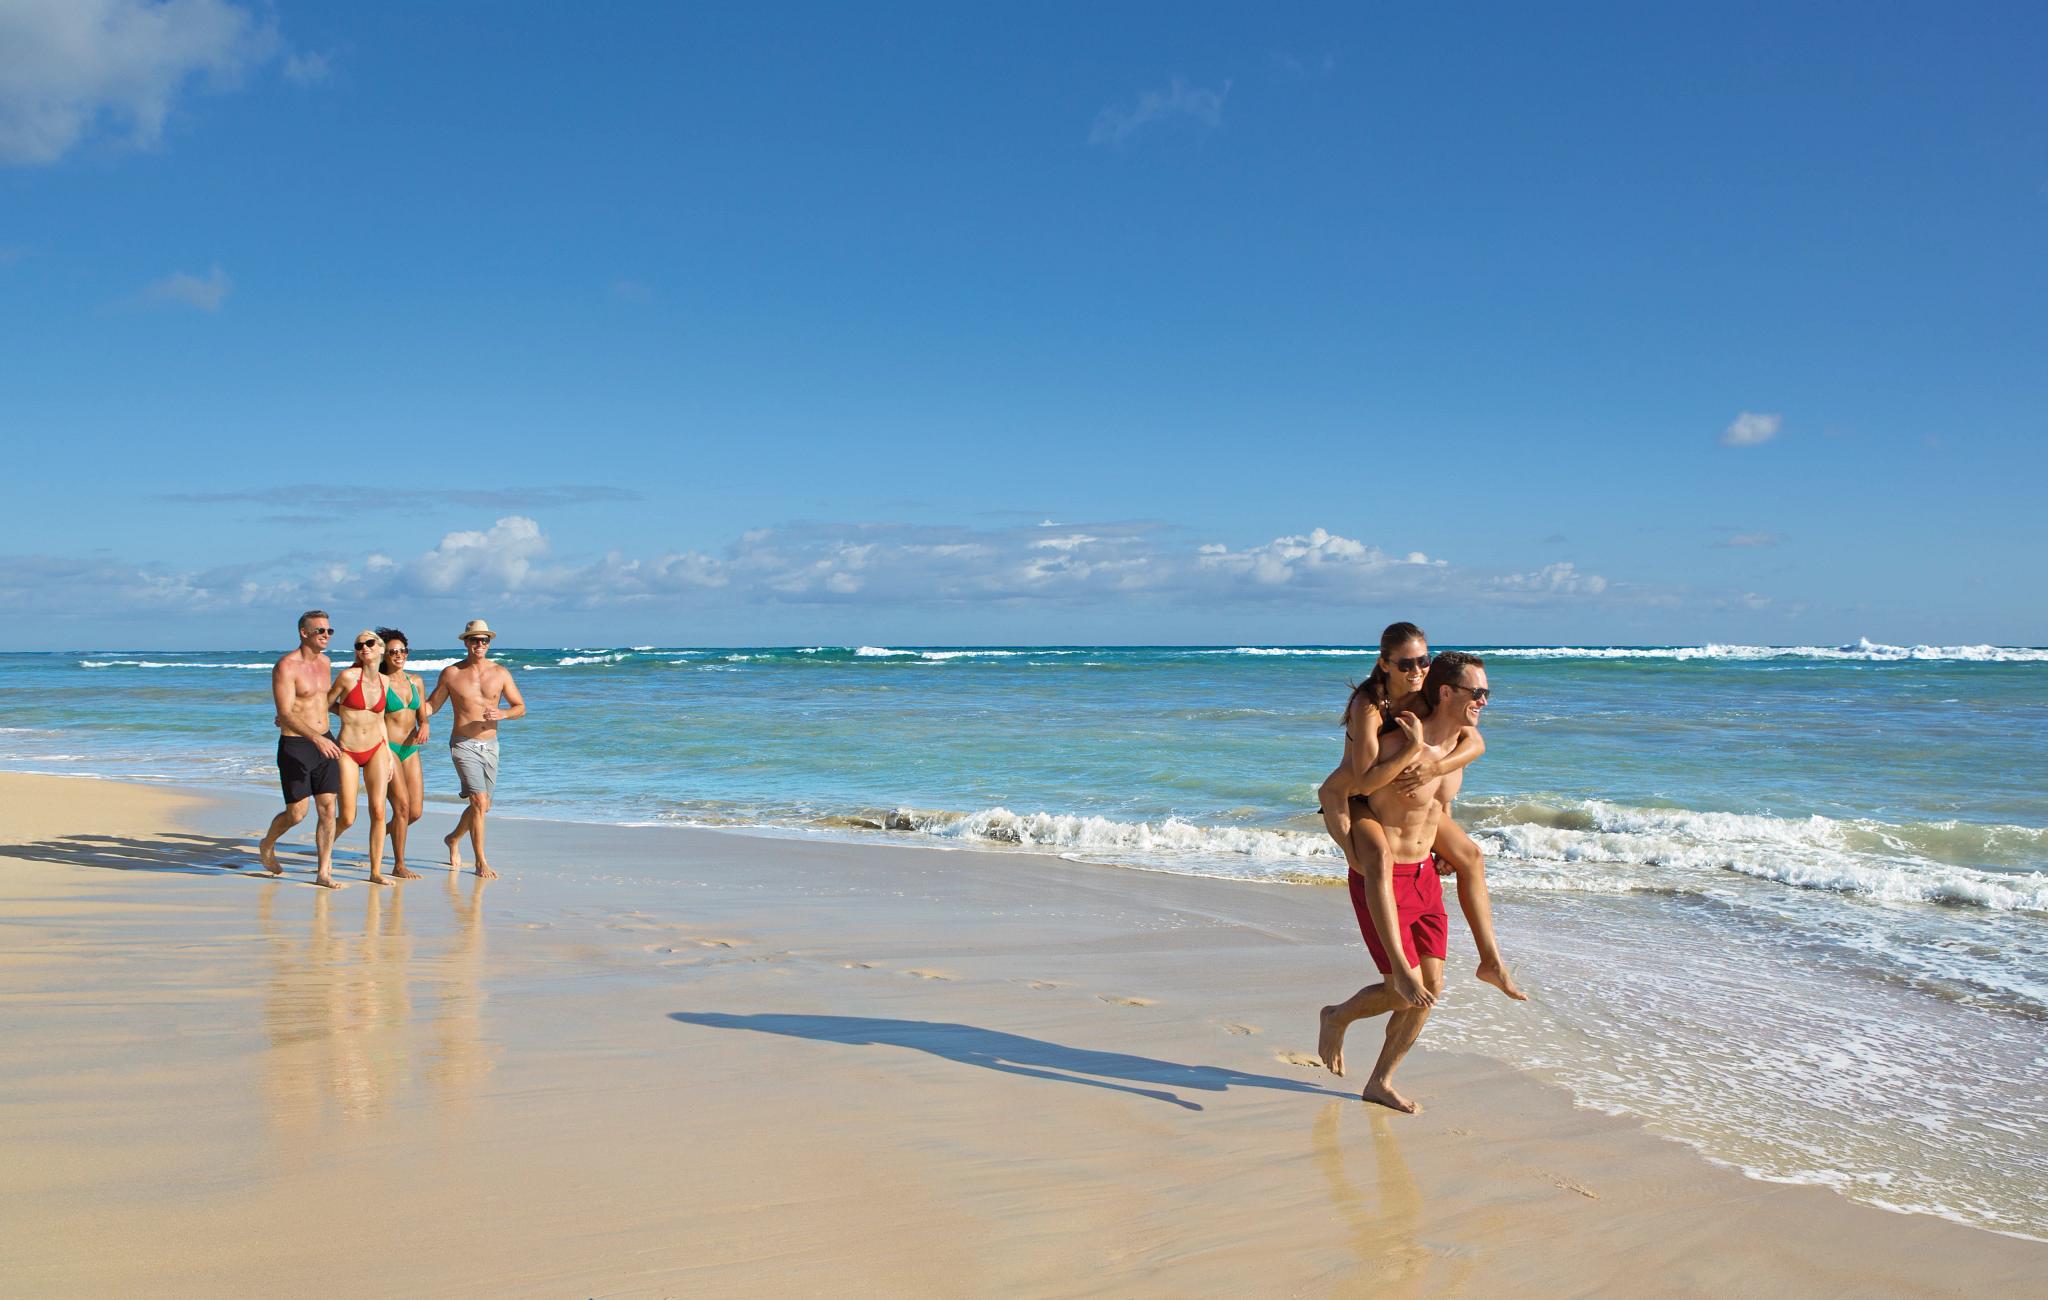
(513, 563)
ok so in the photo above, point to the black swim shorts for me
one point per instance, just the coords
(304, 771)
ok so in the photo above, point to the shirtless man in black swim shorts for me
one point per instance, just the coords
(308, 760)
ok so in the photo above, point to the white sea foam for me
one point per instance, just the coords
(883, 652)
(1288, 650)
(429, 665)
(153, 663)
(1870, 859)
(1087, 834)
(1860, 651)
(570, 661)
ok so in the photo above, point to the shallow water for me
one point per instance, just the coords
(1768, 895)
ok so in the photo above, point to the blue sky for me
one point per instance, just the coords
(789, 324)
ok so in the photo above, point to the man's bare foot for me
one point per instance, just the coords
(403, 872)
(1382, 1093)
(484, 872)
(1330, 1041)
(454, 850)
(325, 881)
(266, 853)
(1492, 972)
(376, 879)
(1408, 983)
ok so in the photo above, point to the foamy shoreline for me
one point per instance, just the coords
(898, 1073)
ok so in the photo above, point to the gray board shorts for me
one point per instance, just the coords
(476, 764)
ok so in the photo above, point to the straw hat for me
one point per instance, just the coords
(477, 627)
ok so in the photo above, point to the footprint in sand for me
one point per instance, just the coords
(1302, 1059)
(1042, 985)
(1566, 1184)
(1234, 1027)
(928, 974)
(1116, 1001)
(858, 965)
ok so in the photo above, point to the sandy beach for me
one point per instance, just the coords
(659, 1062)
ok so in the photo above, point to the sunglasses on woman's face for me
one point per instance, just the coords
(1413, 665)
(365, 645)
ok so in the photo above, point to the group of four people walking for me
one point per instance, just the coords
(384, 712)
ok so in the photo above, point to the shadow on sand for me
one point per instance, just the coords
(170, 851)
(992, 1049)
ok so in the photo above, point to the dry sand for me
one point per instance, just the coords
(663, 1063)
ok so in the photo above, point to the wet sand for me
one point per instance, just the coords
(655, 1062)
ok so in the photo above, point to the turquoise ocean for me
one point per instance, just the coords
(1786, 904)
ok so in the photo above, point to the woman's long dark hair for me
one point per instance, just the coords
(1374, 687)
(390, 634)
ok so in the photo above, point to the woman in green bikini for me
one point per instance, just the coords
(405, 729)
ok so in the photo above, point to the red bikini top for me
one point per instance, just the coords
(354, 699)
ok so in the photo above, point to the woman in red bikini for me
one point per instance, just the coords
(358, 696)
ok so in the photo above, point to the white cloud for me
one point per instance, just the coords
(1750, 428)
(184, 288)
(498, 562)
(70, 66)
(1759, 538)
(1115, 124)
(1559, 579)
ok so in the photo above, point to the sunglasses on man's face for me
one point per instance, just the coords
(1479, 693)
(1413, 665)
(476, 640)
(321, 631)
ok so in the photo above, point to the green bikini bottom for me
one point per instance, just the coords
(404, 752)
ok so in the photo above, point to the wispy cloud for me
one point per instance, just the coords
(332, 498)
(1749, 539)
(70, 67)
(1750, 428)
(1295, 65)
(182, 288)
(1116, 124)
(307, 68)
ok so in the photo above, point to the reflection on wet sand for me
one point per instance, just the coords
(459, 1059)
(1385, 1226)
(337, 1010)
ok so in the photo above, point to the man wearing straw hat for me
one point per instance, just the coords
(477, 687)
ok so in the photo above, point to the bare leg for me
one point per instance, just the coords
(1372, 1000)
(323, 839)
(1376, 863)
(402, 818)
(377, 790)
(266, 852)
(1403, 1028)
(479, 804)
(1454, 846)
(351, 781)
(1334, 797)
(453, 839)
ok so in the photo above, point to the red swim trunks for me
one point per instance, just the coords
(1419, 901)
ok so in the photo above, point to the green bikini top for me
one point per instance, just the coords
(392, 703)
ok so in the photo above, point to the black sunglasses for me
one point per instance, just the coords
(321, 631)
(1479, 693)
(364, 645)
(1412, 665)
